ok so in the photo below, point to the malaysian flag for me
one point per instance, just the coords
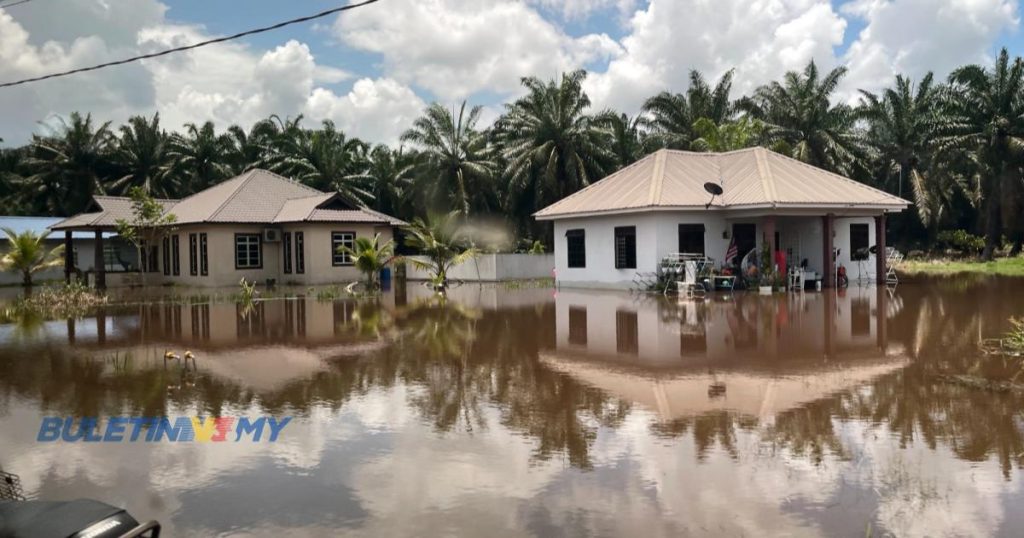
(731, 252)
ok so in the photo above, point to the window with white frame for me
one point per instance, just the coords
(338, 240)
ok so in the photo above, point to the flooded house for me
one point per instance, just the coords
(259, 226)
(719, 205)
(80, 248)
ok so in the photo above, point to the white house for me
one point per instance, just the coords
(626, 223)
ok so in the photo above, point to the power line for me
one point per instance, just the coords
(12, 4)
(192, 46)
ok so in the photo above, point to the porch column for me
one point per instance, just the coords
(880, 243)
(98, 264)
(829, 276)
(69, 257)
(769, 235)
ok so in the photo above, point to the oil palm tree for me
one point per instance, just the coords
(671, 116)
(199, 157)
(27, 254)
(387, 175)
(901, 124)
(455, 167)
(728, 136)
(143, 158)
(370, 256)
(69, 164)
(553, 147)
(984, 116)
(802, 121)
(626, 135)
(441, 240)
(324, 159)
(246, 150)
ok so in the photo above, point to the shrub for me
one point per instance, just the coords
(961, 241)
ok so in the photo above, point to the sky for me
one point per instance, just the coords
(372, 70)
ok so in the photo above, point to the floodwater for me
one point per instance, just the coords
(506, 412)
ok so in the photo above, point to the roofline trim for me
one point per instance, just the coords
(885, 208)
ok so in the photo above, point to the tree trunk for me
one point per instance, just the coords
(993, 215)
(26, 279)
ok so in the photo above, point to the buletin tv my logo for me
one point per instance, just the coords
(161, 429)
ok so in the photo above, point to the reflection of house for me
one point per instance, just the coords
(627, 222)
(753, 354)
(82, 248)
(258, 226)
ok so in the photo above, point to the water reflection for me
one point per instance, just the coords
(534, 412)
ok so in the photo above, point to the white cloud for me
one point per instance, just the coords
(916, 36)
(460, 47)
(762, 40)
(376, 110)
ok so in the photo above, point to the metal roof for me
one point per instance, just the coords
(750, 178)
(41, 226)
(257, 196)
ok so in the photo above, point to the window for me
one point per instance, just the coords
(627, 333)
(576, 247)
(691, 238)
(340, 239)
(153, 259)
(859, 238)
(176, 255)
(193, 254)
(204, 265)
(286, 252)
(248, 251)
(300, 253)
(578, 326)
(167, 256)
(625, 247)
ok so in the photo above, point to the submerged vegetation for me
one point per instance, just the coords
(940, 266)
(56, 302)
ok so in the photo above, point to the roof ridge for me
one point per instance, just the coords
(248, 177)
(767, 178)
(288, 179)
(657, 177)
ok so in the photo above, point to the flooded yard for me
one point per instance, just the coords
(504, 412)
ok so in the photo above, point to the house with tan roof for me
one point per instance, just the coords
(259, 226)
(673, 202)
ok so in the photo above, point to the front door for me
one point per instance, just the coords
(745, 236)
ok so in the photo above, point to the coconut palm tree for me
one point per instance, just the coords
(388, 175)
(671, 116)
(455, 168)
(370, 256)
(984, 116)
(324, 159)
(441, 240)
(802, 121)
(143, 158)
(27, 254)
(69, 164)
(199, 157)
(553, 147)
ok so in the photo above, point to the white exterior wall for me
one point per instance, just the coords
(658, 235)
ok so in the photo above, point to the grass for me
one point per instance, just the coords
(1000, 266)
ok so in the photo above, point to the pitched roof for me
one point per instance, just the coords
(256, 196)
(41, 226)
(111, 209)
(326, 208)
(750, 178)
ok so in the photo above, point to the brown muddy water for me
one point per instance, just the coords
(534, 412)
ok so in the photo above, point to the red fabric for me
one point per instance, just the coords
(780, 261)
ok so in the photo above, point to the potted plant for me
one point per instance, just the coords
(766, 273)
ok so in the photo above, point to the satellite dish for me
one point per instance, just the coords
(714, 189)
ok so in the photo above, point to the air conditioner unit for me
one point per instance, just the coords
(271, 235)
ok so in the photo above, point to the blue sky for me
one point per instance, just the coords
(372, 70)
